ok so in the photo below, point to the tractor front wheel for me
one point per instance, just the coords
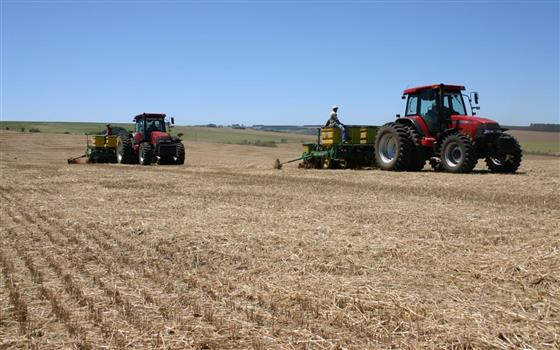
(180, 158)
(125, 153)
(458, 154)
(145, 154)
(506, 161)
(393, 147)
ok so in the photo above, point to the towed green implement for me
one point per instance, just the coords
(99, 149)
(329, 152)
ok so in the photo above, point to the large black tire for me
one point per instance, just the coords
(180, 158)
(506, 162)
(393, 147)
(458, 154)
(145, 154)
(418, 154)
(125, 153)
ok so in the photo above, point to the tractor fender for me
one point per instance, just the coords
(448, 132)
(417, 123)
(137, 138)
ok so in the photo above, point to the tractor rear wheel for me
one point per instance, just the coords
(125, 153)
(145, 154)
(180, 158)
(506, 162)
(418, 154)
(458, 154)
(393, 147)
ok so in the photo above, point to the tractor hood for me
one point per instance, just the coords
(470, 119)
(158, 136)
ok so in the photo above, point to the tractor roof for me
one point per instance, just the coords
(149, 115)
(432, 87)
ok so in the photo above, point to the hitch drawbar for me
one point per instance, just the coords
(76, 160)
(278, 164)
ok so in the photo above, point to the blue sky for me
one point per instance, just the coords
(275, 62)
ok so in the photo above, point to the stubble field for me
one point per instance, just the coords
(228, 253)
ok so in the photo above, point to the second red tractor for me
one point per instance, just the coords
(436, 127)
(150, 142)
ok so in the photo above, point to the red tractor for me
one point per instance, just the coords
(150, 142)
(436, 127)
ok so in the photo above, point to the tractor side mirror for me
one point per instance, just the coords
(474, 94)
(403, 97)
(172, 120)
(398, 116)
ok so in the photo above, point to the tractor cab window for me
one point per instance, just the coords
(155, 125)
(427, 108)
(454, 102)
(428, 104)
(423, 104)
(139, 127)
(412, 106)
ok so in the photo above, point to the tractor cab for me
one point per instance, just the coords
(148, 125)
(435, 104)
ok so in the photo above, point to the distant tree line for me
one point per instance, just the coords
(544, 127)
(211, 125)
(23, 129)
(536, 127)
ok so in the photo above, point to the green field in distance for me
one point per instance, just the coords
(220, 135)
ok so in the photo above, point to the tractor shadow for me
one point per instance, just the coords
(486, 172)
